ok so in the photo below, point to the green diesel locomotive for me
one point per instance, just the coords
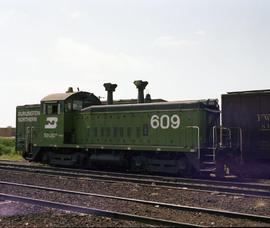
(145, 135)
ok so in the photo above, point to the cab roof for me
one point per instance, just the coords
(57, 97)
(65, 96)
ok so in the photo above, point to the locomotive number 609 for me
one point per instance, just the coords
(164, 121)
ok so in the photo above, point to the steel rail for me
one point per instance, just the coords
(231, 183)
(231, 214)
(98, 212)
(204, 180)
(186, 186)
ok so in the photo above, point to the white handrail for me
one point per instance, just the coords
(198, 138)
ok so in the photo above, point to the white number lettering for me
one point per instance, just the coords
(165, 121)
(175, 121)
(155, 121)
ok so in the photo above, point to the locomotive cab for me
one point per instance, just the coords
(57, 111)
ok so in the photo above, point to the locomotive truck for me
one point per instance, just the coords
(140, 135)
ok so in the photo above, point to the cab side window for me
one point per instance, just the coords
(77, 105)
(73, 105)
(52, 108)
(68, 106)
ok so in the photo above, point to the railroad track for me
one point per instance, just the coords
(94, 211)
(225, 187)
(121, 215)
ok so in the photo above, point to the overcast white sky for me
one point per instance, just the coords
(185, 49)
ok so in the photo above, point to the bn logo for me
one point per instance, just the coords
(51, 123)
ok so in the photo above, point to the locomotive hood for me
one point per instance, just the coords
(210, 104)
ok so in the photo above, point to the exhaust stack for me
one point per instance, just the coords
(70, 90)
(140, 86)
(110, 88)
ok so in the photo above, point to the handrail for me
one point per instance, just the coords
(240, 140)
(198, 139)
(32, 128)
(28, 137)
(214, 148)
(230, 132)
(221, 139)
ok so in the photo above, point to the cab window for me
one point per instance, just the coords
(52, 108)
(73, 105)
(77, 105)
(68, 106)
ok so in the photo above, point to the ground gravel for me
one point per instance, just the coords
(214, 200)
(28, 215)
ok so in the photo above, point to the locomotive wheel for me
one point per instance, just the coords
(85, 163)
(186, 168)
(137, 165)
(220, 171)
(45, 159)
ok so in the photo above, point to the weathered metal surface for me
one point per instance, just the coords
(27, 126)
(65, 96)
(249, 110)
(210, 103)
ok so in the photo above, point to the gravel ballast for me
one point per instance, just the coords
(213, 200)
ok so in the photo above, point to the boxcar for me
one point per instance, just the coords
(250, 111)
